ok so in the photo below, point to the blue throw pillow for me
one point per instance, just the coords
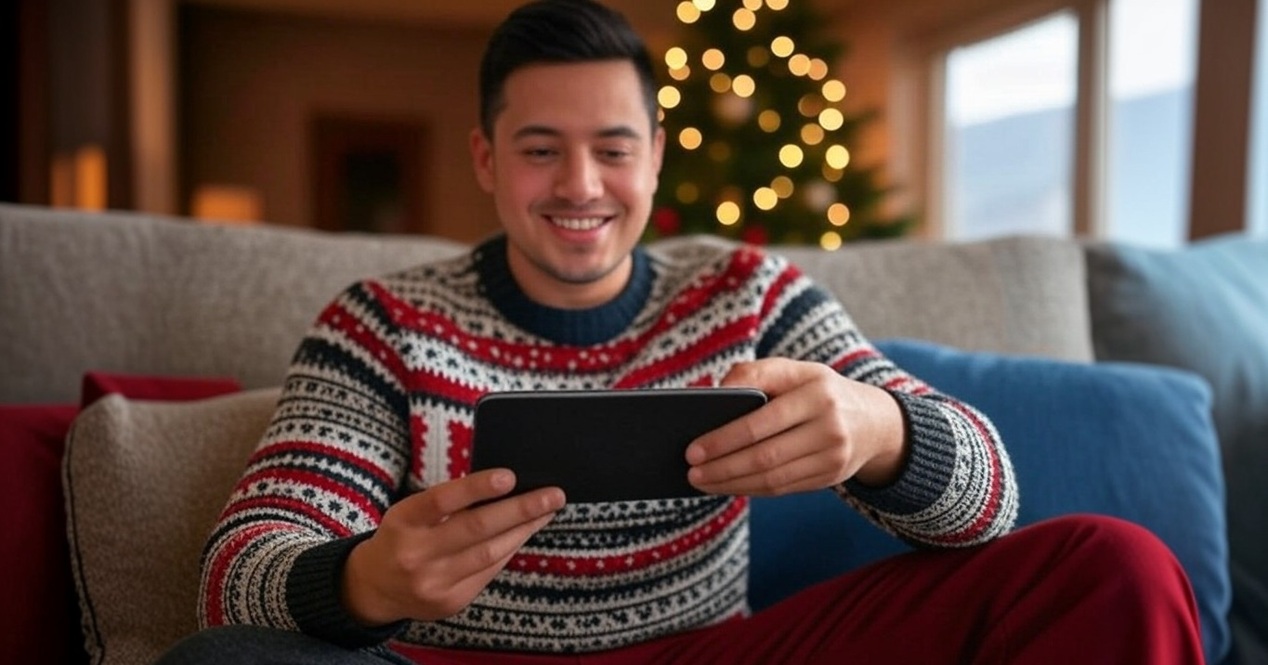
(1132, 441)
(1204, 308)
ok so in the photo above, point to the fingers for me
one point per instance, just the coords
(438, 503)
(434, 551)
(794, 461)
(792, 402)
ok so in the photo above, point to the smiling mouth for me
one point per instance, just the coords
(578, 223)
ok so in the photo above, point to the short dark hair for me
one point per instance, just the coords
(559, 31)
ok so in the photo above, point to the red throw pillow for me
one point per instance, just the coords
(165, 388)
(37, 607)
(39, 611)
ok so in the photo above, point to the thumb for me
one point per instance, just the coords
(772, 376)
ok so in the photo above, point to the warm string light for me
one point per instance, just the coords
(819, 108)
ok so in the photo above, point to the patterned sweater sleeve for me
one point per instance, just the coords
(329, 464)
(957, 487)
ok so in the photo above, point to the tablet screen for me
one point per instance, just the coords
(612, 445)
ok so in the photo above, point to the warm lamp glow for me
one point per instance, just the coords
(704, 5)
(227, 203)
(744, 19)
(744, 86)
(720, 82)
(79, 180)
(831, 241)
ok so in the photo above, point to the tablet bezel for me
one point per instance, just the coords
(604, 445)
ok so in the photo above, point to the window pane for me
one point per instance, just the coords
(1257, 186)
(1152, 51)
(1010, 132)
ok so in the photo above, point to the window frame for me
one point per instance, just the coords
(1220, 161)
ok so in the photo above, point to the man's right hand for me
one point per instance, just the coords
(436, 550)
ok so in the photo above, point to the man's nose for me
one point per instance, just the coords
(579, 180)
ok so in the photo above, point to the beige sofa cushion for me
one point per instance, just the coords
(143, 294)
(144, 484)
(1018, 295)
(153, 295)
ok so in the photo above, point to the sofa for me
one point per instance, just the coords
(141, 357)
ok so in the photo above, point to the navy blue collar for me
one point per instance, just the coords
(572, 327)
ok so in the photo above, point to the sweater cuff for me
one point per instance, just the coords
(313, 594)
(931, 452)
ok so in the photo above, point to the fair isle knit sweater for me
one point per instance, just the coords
(379, 403)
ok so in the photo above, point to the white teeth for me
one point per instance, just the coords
(578, 223)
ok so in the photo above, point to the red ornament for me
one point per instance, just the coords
(666, 221)
(755, 235)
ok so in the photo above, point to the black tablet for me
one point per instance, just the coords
(609, 445)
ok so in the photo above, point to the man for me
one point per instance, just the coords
(357, 534)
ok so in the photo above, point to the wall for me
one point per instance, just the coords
(251, 81)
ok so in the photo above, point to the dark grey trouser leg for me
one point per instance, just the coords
(254, 645)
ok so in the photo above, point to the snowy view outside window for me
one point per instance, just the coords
(1010, 126)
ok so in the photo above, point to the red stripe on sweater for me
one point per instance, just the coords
(359, 334)
(437, 385)
(974, 531)
(777, 289)
(218, 569)
(284, 504)
(418, 441)
(566, 566)
(460, 435)
(738, 271)
(732, 334)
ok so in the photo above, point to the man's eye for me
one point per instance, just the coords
(614, 155)
(538, 153)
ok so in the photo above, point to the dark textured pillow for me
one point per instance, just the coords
(1132, 441)
(1204, 308)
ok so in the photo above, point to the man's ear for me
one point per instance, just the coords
(482, 159)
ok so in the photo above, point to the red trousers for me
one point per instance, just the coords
(1082, 589)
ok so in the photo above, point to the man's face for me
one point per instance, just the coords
(572, 166)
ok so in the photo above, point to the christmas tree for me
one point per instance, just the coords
(757, 140)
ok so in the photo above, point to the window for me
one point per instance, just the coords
(1009, 132)
(1152, 52)
(1027, 147)
(1257, 190)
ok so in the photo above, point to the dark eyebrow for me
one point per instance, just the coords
(619, 131)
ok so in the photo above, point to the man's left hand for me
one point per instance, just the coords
(818, 429)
